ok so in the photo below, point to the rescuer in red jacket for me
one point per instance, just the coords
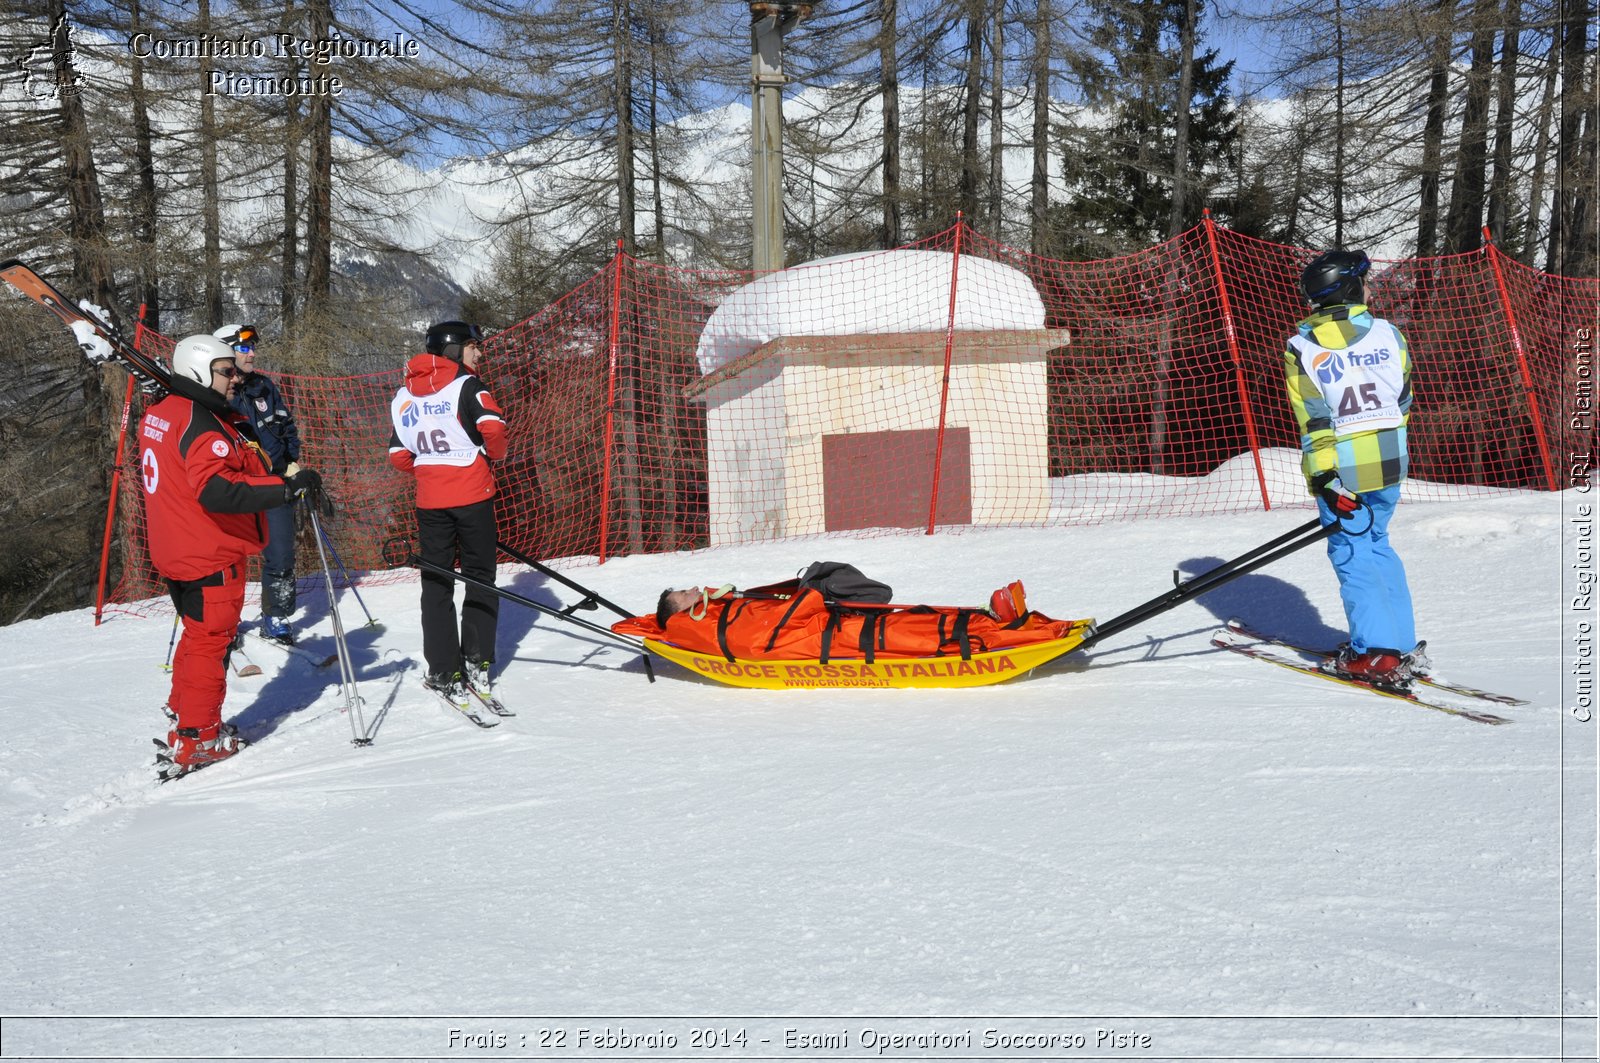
(206, 485)
(447, 428)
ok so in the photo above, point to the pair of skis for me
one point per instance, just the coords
(470, 705)
(1423, 691)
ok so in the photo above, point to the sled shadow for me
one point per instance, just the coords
(1265, 603)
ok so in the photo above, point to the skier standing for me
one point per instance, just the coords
(258, 399)
(447, 428)
(206, 485)
(1349, 379)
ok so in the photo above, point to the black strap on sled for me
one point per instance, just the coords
(871, 639)
(729, 615)
(787, 613)
(959, 634)
(828, 629)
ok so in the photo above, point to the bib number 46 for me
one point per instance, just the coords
(435, 442)
(1354, 400)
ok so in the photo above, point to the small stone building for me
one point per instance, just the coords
(832, 433)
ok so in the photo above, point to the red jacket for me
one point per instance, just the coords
(456, 473)
(205, 484)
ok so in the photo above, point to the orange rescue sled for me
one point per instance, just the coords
(804, 642)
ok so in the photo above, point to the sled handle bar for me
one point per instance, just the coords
(1298, 538)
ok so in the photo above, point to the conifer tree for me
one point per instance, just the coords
(1120, 158)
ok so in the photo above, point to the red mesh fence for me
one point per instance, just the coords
(954, 383)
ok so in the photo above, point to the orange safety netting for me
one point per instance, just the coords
(656, 409)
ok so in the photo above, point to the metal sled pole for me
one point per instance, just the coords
(347, 672)
(1313, 531)
(512, 596)
(590, 598)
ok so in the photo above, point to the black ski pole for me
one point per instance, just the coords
(513, 596)
(171, 642)
(344, 572)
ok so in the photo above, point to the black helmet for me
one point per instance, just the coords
(448, 337)
(1334, 277)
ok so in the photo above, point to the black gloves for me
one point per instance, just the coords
(307, 484)
(1326, 485)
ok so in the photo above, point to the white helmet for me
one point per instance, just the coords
(237, 335)
(192, 357)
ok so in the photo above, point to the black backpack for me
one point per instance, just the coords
(839, 582)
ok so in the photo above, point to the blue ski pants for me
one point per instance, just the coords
(1372, 581)
(278, 589)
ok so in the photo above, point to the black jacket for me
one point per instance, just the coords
(257, 397)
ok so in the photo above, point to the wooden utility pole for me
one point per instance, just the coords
(768, 23)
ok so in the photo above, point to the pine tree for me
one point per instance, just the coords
(1120, 156)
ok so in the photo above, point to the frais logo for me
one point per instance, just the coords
(1369, 358)
(436, 408)
(1328, 367)
(409, 414)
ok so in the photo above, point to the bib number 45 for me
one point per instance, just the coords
(1355, 400)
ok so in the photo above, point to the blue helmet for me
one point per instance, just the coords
(1334, 277)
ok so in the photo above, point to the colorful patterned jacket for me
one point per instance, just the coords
(1349, 378)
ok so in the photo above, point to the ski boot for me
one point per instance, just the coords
(188, 749)
(1009, 602)
(277, 629)
(480, 678)
(450, 686)
(1380, 667)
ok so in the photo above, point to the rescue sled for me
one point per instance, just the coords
(978, 669)
(984, 651)
(823, 645)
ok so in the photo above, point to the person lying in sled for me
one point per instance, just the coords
(832, 611)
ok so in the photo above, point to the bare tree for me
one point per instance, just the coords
(1039, 185)
(1433, 133)
(1464, 220)
(1500, 182)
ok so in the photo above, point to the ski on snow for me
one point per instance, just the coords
(1273, 653)
(1240, 627)
(316, 660)
(463, 706)
(240, 662)
(491, 702)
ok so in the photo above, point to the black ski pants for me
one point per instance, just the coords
(440, 533)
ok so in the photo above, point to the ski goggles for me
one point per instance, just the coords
(244, 341)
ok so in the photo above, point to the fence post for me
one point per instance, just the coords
(1492, 252)
(116, 482)
(944, 387)
(1238, 363)
(611, 401)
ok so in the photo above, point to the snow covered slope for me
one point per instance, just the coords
(1207, 855)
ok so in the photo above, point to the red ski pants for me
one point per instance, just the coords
(210, 610)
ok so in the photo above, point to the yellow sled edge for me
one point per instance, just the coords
(982, 669)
